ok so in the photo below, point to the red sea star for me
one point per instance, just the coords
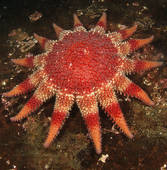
(85, 67)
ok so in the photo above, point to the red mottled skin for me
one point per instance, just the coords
(85, 67)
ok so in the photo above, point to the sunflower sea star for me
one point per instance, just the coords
(85, 67)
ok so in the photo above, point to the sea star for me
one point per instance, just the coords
(85, 67)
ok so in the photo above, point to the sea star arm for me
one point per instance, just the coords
(45, 43)
(108, 101)
(128, 65)
(126, 33)
(129, 46)
(42, 40)
(26, 62)
(89, 109)
(144, 65)
(101, 26)
(102, 21)
(42, 93)
(61, 111)
(57, 29)
(121, 35)
(77, 22)
(31, 82)
(31, 61)
(126, 86)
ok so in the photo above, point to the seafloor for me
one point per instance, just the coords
(21, 143)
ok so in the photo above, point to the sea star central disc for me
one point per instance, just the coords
(82, 67)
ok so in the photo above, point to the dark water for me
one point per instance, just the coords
(21, 143)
